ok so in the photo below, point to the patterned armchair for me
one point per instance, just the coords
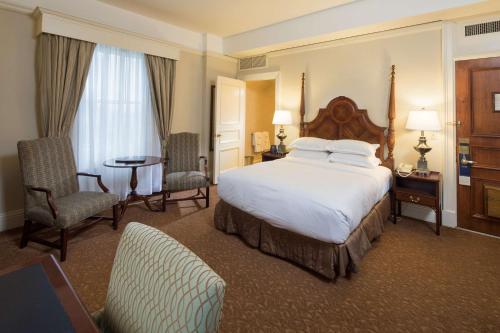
(51, 191)
(183, 167)
(158, 285)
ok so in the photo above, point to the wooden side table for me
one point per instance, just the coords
(419, 190)
(268, 156)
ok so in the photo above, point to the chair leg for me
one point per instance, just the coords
(207, 197)
(116, 216)
(164, 201)
(26, 232)
(64, 244)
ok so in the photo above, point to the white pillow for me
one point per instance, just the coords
(310, 143)
(353, 147)
(309, 154)
(353, 159)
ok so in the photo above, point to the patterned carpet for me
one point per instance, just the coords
(412, 280)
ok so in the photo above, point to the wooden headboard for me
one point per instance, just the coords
(342, 119)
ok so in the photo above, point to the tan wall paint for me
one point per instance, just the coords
(17, 101)
(361, 71)
(260, 97)
(188, 93)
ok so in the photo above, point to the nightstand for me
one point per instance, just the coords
(268, 156)
(419, 190)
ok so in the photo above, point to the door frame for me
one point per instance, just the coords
(450, 176)
(216, 163)
(273, 75)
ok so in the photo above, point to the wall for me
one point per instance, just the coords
(347, 70)
(259, 111)
(17, 108)
(359, 68)
(188, 93)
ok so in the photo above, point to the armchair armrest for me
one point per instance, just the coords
(205, 165)
(48, 195)
(99, 181)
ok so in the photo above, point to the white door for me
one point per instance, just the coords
(229, 131)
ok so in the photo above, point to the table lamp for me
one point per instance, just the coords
(423, 120)
(282, 117)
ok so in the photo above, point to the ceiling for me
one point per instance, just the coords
(225, 17)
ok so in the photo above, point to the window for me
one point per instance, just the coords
(115, 119)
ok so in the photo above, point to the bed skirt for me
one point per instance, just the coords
(328, 259)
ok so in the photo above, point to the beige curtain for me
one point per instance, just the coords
(62, 66)
(161, 72)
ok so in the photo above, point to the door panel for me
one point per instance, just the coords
(229, 125)
(479, 134)
(485, 81)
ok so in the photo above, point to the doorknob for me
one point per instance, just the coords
(218, 135)
(457, 123)
(465, 161)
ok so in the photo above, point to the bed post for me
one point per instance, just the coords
(391, 140)
(302, 108)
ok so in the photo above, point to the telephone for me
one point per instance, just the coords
(404, 170)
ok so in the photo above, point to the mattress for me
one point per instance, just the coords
(322, 200)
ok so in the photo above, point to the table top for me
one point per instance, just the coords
(433, 176)
(149, 160)
(269, 153)
(37, 296)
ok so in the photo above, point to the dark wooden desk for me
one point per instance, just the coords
(419, 190)
(37, 297)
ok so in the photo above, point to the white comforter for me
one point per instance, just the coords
(318, 199)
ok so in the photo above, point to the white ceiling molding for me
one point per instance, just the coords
(356, 18)
(101, 14)
(15, 8)
(358, 39)
(64, 25)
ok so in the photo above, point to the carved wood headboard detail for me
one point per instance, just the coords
(342, 119)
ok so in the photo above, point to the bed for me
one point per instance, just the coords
(321, 216)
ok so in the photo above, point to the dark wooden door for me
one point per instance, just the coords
(478, 144)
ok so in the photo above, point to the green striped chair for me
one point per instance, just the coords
(182, 167)
(158, 285)
(52, 197)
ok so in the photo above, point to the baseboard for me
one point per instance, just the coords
(11, 219)
(418, 212)
(449, 218)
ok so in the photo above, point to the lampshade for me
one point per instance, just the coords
(423, 120)
(282, 117)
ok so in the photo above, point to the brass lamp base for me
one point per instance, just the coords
(423, 149)
(281, 136)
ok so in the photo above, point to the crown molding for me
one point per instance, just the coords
(16, 8)
(433, 26)
(221, 56)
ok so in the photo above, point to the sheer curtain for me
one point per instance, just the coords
(115, 119)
